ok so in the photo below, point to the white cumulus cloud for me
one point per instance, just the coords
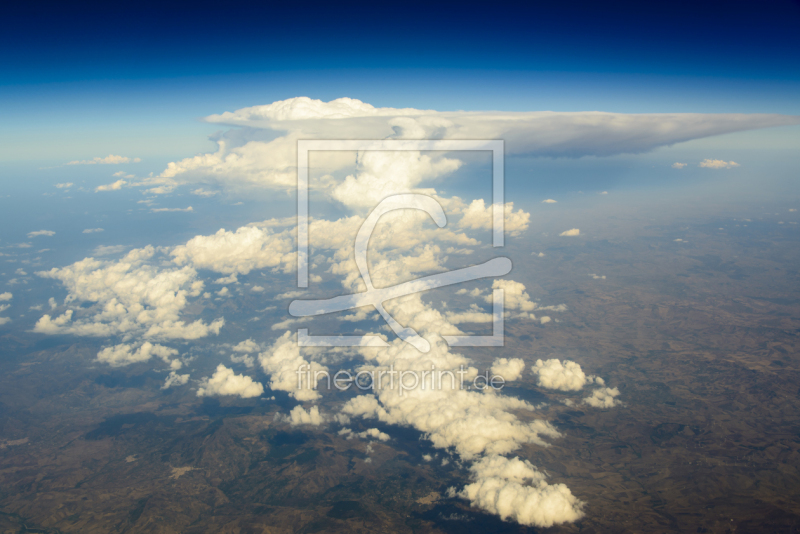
(111, 159)
(131, 297)
(245, 359)
(225, 382)
(163, 210)
(374, 433)
(116, 186)
(603, 398)
(509, 369)
(124, 354)
(298, 416)
(515, 489)
(478, 215)
(718, 164)
(204, 192)
(41, 232)
(555, 374)
(289, 371)
(239, 252)
(248, 346)
(174, 379)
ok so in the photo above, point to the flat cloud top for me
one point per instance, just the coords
(246, 157)
(547, 133)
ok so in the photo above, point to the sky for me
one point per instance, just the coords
(138, 76)
(147, 159)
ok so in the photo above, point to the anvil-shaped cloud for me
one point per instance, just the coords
(262, 152)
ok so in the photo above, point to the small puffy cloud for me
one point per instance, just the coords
(108, 250)
(231, 279)
(516, 298)
(204, 192)
(93, 230)
(474, 293)
(509, 369)
(111, 187)
(717, 164)
(678, 165)
(238, 252)
(374, 433)
(257, 289)
(290, 294)
(225, 382)
(124, 354)
(597, 276)
(549, 201)
(603, 398)
(563, 376)
(175, 379)
(479, 216)
(65, 185)
(473, 315)
(4, 320)
(6, 296)
(48, 325)
(515, 489)
(247, 346)
(245, 359)
(111, 159)
(570, 233)
(298, 416)
(161, 210)
(41, 232)
(289, 371)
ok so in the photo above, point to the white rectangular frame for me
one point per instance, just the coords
(304, 146)
(497, 148)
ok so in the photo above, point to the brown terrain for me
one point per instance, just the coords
(700, 336)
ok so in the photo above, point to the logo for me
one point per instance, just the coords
(375, 297)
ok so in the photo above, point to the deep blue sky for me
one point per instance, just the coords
(78, 80)
(143, 40)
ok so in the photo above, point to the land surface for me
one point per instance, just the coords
(701, 337)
